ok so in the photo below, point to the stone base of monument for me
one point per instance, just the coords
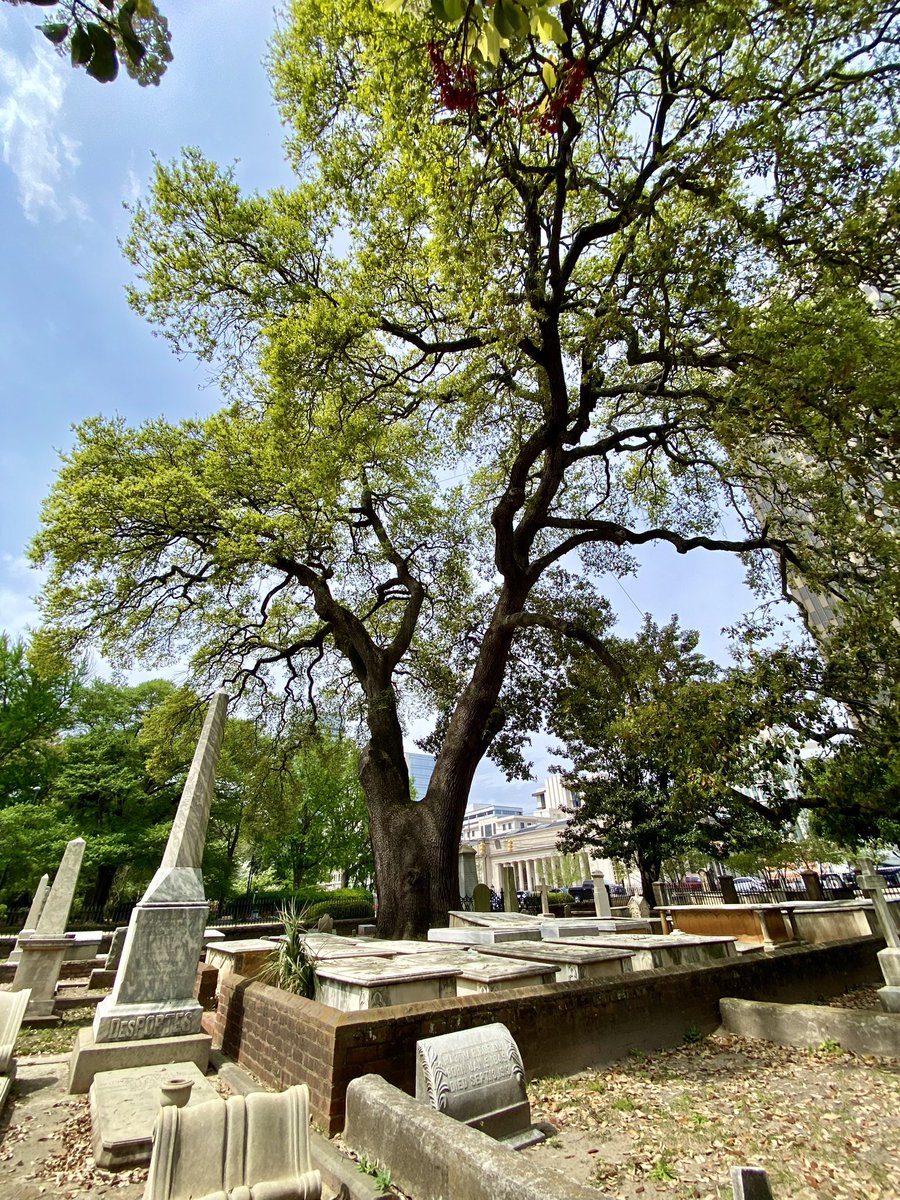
(101, 977)
(889, 961)
(152, 1019)
(124, 1107)
(38, 971)
(90, 1057)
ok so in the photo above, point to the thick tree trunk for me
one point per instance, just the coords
(105, 876)
(415, 844)
(650, 872)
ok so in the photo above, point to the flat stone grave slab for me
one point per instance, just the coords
(444, 956)
(329, 945)
(84, 945)
(484, 974)
(651, 952)
(124, 1105)
(398, 946)
(553, 929)
(357, 984)
(89, 1058)
(487, 920)
(626, 925)
(569, 961)
(485, 937)
(240, 956)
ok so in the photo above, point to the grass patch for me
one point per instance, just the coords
(661, 1172)
(54, 1039)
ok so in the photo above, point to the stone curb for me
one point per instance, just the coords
(809, 1025)
(432, 1157)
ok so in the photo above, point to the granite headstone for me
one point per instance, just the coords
(476, 1076)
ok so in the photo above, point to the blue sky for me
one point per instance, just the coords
(72, 153)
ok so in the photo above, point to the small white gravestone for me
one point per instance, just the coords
(638, 907)
(476, 1076)
(601, 896)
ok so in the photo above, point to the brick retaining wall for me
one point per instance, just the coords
(285, 1039)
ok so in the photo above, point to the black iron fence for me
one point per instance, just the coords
(88, 916)
(240, 911)
(758, 892)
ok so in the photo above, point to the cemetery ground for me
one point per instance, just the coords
(667, 1124)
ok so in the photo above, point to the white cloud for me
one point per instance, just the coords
(32, 145)
(19, 582)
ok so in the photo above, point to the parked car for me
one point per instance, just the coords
(838, 879)
(690, 883)
(747, 885)
(582, 892)
(617, 891)
(890, 873)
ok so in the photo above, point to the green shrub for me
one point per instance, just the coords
(343, 904)
(292, 967)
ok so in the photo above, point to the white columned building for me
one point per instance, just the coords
(504, 836)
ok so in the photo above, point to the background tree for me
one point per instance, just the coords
(103, 789)
(673, 755)
(597, 292)
(317, 824)
(100, 35)
(35, 705)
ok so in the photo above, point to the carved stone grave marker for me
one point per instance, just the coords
(481, 898)
(476, 1076)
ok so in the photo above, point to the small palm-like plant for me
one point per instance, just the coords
(292, 968)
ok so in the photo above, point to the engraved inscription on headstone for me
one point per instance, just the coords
(477, 1076)
(145, 1025)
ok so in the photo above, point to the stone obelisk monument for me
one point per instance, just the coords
(151, 1016)
(43, 951)
(34, 914)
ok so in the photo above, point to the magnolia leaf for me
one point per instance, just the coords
(547, 27)
(104, 65)
(511, 19)
(548, 74)
(82, 47)
(56, 33)
(488, 44)
(134, 48)
(448, 12)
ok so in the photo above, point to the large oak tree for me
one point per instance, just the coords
(536, 298)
